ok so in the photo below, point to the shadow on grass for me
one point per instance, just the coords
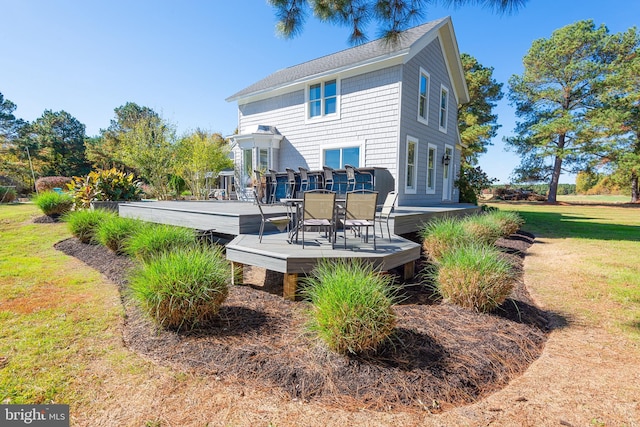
(558, 225)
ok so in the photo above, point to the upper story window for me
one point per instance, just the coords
(444, 107)
(423, 97)
(323, 99)
(431, 169)
(411, 172)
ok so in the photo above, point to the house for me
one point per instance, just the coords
(376, 105)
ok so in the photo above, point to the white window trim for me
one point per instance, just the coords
(443, 129)
(425, 119)
(407, 188)
(432, 190)
(322, 117)
(336, 145)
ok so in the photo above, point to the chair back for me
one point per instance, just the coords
(291, 175)
(389, 203)
(304, 174)
(318, 204)
(258, 202)
(361, 205)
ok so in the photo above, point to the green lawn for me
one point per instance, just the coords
(594, 259)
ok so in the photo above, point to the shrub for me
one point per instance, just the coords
(84, 223)
(48, 183)
(183, 288)
(442, 235)
(115, 231)
(509, 222)
(474, 276)
(351, 305)
(482, 228)
(105, 185)
(151, 241)
(7, 194)
(53, 204)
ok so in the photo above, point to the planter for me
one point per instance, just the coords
(106, 205)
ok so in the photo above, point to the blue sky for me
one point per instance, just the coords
(184, 58)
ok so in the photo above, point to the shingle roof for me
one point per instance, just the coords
(355, 55)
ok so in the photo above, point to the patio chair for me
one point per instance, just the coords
(281, 222)
(328, 178)
(359, 213)
(273, 185)
(385, 212)
(318, 211)
(291, 183)
(257, 183)
(304, 179)
(351, 177)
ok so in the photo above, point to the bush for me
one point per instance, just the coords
(53, 204)
(183, 288)
(104, 185)
(48, 183)
(7, 194)
(84, 223)
(474, 276)
(509, 222)
(151, 241)
(482, 228)
(115, 231)
(351, 305)
(443, 235)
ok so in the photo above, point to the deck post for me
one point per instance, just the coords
(409, 270)
(290, 284)
(237, 273)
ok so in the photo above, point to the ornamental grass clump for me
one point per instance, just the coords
(482, 228)
(53, 204)
(184, 288)
(474, 276)
(443, 235)
(151, 241)
(115, 232)
(351, 305)
(84, 223)
(509, 222)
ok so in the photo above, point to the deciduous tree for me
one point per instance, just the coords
(198, 153)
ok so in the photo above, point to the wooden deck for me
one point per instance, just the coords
(242, 220)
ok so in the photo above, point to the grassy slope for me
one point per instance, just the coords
(592, 271)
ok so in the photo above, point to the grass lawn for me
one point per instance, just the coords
(61, 324)
(593, 269)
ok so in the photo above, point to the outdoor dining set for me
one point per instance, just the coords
(323, 201)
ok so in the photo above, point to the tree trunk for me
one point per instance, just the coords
(557, 169)
(635, 190)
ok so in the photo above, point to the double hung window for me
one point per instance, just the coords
(322, 99)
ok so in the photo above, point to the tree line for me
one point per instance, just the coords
(137, 140)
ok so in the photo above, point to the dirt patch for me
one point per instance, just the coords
(441, 356)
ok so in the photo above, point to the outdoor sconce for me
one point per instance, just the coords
(446, 159)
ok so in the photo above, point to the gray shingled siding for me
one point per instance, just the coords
(368, 113)
(431, 60)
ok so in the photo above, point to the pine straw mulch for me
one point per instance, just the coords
(440, 356)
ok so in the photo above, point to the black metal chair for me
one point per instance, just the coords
(304, 179)
(291, 183)
(273, 175)
(328, 178)
(351, 177)
(282, 222)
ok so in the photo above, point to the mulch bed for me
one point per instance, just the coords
(440, 356)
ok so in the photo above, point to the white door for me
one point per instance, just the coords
(447, 179)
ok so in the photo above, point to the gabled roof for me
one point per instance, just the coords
(410, 43)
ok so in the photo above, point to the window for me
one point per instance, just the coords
(263, 159)
(444, 106)
(411, 173)
(338, 157)
(323, 99)
(423, 97)
(431, 169)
